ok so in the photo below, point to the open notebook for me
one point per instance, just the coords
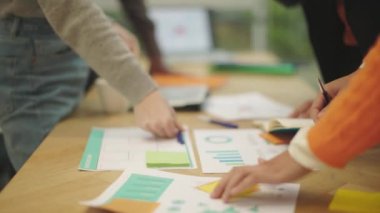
(283, 125)
(281, 130)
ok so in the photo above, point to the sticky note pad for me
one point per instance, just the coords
(355, 201)
(127, 206)
(166, 159)
(209, 187)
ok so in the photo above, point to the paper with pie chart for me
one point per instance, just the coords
(221, 149)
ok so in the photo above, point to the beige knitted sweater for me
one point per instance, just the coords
(85, 28)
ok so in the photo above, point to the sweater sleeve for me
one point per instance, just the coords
(351, 124)
(85, 28)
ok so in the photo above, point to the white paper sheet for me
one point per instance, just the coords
(252, 105)
(221, 149)
(125, 148)
(183, 196)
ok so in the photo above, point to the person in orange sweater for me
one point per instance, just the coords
(331, 142)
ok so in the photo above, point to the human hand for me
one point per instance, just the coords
(282, 168)
(128, 38)
(318, 107)
(154, 114)
(302, 111)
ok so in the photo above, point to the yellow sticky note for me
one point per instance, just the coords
(209, 187)
(128, 206)
(355, 201)
(160, 159)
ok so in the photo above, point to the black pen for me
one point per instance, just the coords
(325, 94)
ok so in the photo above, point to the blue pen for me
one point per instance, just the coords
(221, 123)
(180, 138)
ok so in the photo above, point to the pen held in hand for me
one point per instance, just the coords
(218, 122)
(180, 138)
(327, 98)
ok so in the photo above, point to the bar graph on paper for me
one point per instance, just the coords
(227, 157)
(220, 150)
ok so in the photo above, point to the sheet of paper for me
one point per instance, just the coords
(166, 159)
(209, 187)
(245, 106)
(182, 195)
(347, 200)
(221, 149)
(126, 148)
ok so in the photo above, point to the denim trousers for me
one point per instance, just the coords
(41, 81)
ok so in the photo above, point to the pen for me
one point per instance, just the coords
(218, 122)
(180, 138)
(326, 95)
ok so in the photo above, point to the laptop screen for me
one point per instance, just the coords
(182, 30)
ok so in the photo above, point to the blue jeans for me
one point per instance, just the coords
(41, 82)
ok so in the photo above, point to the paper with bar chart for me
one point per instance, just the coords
(147, 191)
(221, 149)
(130, 148)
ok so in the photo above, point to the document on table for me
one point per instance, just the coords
(131, 148)
(252, 105)
(146, 191)
(221, 149)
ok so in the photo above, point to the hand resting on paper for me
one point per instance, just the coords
(154, 114)
(282, 168)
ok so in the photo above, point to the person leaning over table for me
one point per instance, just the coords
(349, 127)
(340, 39)
(42, 74)
(137, 13)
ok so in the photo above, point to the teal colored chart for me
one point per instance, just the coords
(90, 156)
(227, 157)
(143, 187)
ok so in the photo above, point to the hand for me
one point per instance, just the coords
(302, 111)
(282, 168)
(333, 88)
(128, 38)
(154, 114)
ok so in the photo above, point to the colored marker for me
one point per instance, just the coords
(218, 122)
(180, 138)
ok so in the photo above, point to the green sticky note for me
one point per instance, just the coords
(143, 187)
(355, 201)
(166, 159)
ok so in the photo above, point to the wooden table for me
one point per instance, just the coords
(50, 180)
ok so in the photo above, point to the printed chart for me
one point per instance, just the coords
(131, 148)
(220, 150)
(155, 191)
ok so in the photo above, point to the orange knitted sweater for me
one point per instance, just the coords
(351, 124)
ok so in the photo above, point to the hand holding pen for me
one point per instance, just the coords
(319, 104)
(326, 96)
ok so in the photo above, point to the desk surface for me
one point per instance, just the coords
(50, 180)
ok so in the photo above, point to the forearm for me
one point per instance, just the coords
(351, 123)
(84, 27)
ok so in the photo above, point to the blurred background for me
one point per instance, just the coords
(214, 29)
